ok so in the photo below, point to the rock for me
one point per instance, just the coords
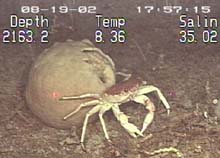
(64, 70)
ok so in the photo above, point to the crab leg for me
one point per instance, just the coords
(144, 100)
(149, 89)
(88, 95)
(90, 103)
(91, 112)
(103, 109)
(130, 128)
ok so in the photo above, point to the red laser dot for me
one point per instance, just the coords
(55, 95)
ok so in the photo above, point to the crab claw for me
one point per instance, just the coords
(132, 130)
(123, 119)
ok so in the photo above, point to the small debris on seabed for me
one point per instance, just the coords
(165, 150)
(147, 137)
(205, 114)
(217, 107)
(215, 101)
(68, 141)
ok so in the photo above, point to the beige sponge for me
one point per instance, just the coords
(68, 68)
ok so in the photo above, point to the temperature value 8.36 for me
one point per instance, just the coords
(117, 36)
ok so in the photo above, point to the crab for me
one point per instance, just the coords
(133, 89)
